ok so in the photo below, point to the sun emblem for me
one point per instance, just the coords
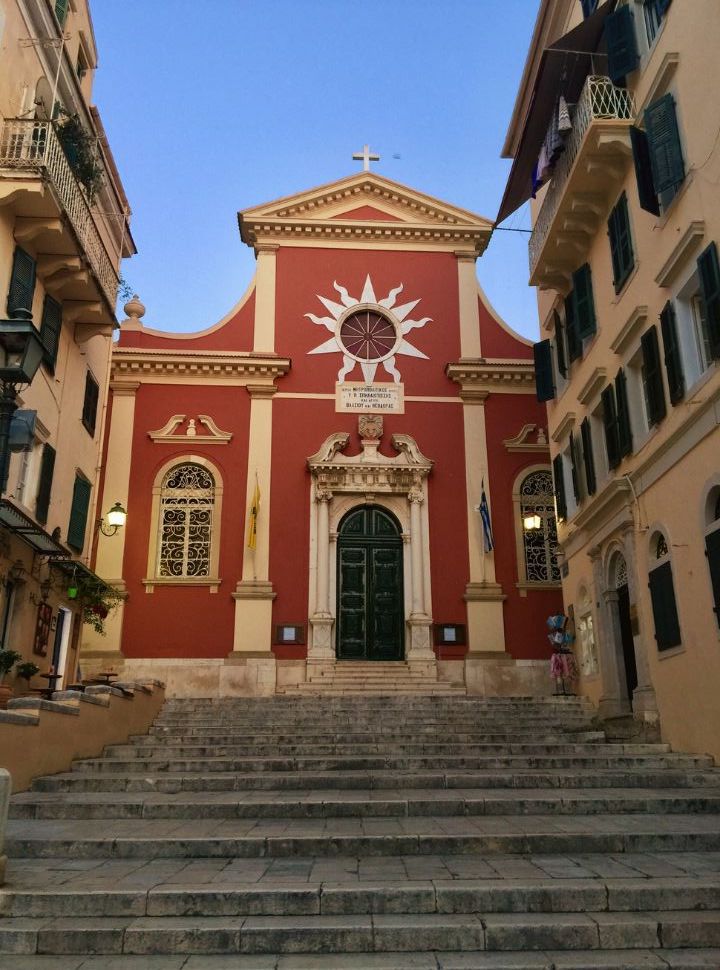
(368, 331)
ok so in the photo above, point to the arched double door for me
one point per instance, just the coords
(370, 606)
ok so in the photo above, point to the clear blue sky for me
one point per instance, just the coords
(215, 106)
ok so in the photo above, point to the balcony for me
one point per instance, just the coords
(37, 181)
(591, 168)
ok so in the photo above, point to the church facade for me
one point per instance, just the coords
(304, 480)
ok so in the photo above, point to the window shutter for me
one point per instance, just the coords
(668, 168)
(623, 415)
(653, 376)
(22, 283)
(662, 595)
(610, 421)
(560, 503)
(673, 362)
(61, 7)
(663, 6)
(50, 326)
(573, 339)
(588, 457)
(560, 345)
(588, 7)
(709, 271)
(621, 249)
(544, 383)
(90, 403)
(712, 551)
(622, 48)
(574, 468)
(78, 513)
(647, 193)
(583, 303)
(47, 467)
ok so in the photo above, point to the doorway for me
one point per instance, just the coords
(60, 645)
(370, 604)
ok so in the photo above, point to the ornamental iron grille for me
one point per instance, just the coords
(661, 547)
(540, 545)
(187, 501)
(620, 572)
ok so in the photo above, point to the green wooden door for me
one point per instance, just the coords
(370, 589)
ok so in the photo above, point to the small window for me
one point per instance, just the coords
(79, 513)
(50, 327)
(621, 248)
(90, 404)
(652, 377)
(187, 504)
(610, 422)
(539, 528)
(654, 11)
(702, 333)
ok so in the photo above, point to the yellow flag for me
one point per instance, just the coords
(254, 509)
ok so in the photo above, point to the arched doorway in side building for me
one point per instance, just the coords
(370, 604)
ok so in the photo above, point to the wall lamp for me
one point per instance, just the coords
(531, 522)
(116, 518)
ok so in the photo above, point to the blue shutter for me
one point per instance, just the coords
(655, 392)
(47, 467)
(588, 457)
(709, 272)
(544, 383)
(22, 283)
(662, 596)
(50, 326)
(647, 194)
(673, 361)
(560, 503)
(583, 302)
(588, 7)
(622, 50)
(612, 443)
(78, 513)
(666, 158)
(623, 415)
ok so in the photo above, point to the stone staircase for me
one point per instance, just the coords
(368, 678)
(404, 833)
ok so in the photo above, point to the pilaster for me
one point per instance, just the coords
(264, 327)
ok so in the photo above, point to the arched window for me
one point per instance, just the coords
(587, 647)
(187, 504)
(712, 546)
(539, 528)
(662, 594)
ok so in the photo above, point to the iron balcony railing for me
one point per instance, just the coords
(599, 99)
(34, 146)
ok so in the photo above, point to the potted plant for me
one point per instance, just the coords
(27, 671)
(81, 151)
(8, 659)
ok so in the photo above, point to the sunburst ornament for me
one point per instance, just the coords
(368, 331)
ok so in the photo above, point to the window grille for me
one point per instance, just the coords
(187, 503)
(540, 545)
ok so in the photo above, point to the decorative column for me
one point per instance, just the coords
(420, 647)
(644, 702)
(321, 622)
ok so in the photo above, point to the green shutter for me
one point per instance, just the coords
(621, 249)
(622, 49)
(50, 326)
(544, 383)
(560, 345)
(663, 6)
(662, 596)
(573, 339)
(623, 415)
(61, 8)
(583, 303)
(560, 503)
(90, 403)
(588, 7)
(574, 469)
(22, 283)
(668, 168)
(78, 513)
(588, 457)
(709, 272)
(673, 361)
(610, 421)
(647, 193)
(655, 392)
(712, 551)
(47, 467)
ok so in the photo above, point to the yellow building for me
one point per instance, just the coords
(63, 231)
(615, 133)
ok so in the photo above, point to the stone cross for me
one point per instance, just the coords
(366, 156)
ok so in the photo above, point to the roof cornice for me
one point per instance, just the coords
(140, 363)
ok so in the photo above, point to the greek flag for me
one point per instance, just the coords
(484, 511)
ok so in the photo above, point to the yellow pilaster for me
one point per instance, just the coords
(468, 305)
(264, 329)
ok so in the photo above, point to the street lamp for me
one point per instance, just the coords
(532, 521)
(21, 351)
(116, 518)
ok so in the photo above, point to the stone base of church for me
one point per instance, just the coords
(493, 675)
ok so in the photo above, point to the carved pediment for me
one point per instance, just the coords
(368, 471)
(179, 428)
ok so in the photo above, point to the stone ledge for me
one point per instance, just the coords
(39, 704)
(15, 717)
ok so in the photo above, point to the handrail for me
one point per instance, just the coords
(32, 145)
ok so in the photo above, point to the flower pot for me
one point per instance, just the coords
(6, 693)
(72, 592)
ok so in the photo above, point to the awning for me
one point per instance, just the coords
(564, 66)
(13, 519)
(77, 570)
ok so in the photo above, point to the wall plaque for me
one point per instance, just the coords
(354, 396)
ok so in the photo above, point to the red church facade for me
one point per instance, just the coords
(302, 480)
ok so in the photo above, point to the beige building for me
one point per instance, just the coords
(615, 132)
(63, 232)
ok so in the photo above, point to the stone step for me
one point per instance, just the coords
(223, 737)
(377, 780)
(362, 804)
(381, 836)
(493, 932)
